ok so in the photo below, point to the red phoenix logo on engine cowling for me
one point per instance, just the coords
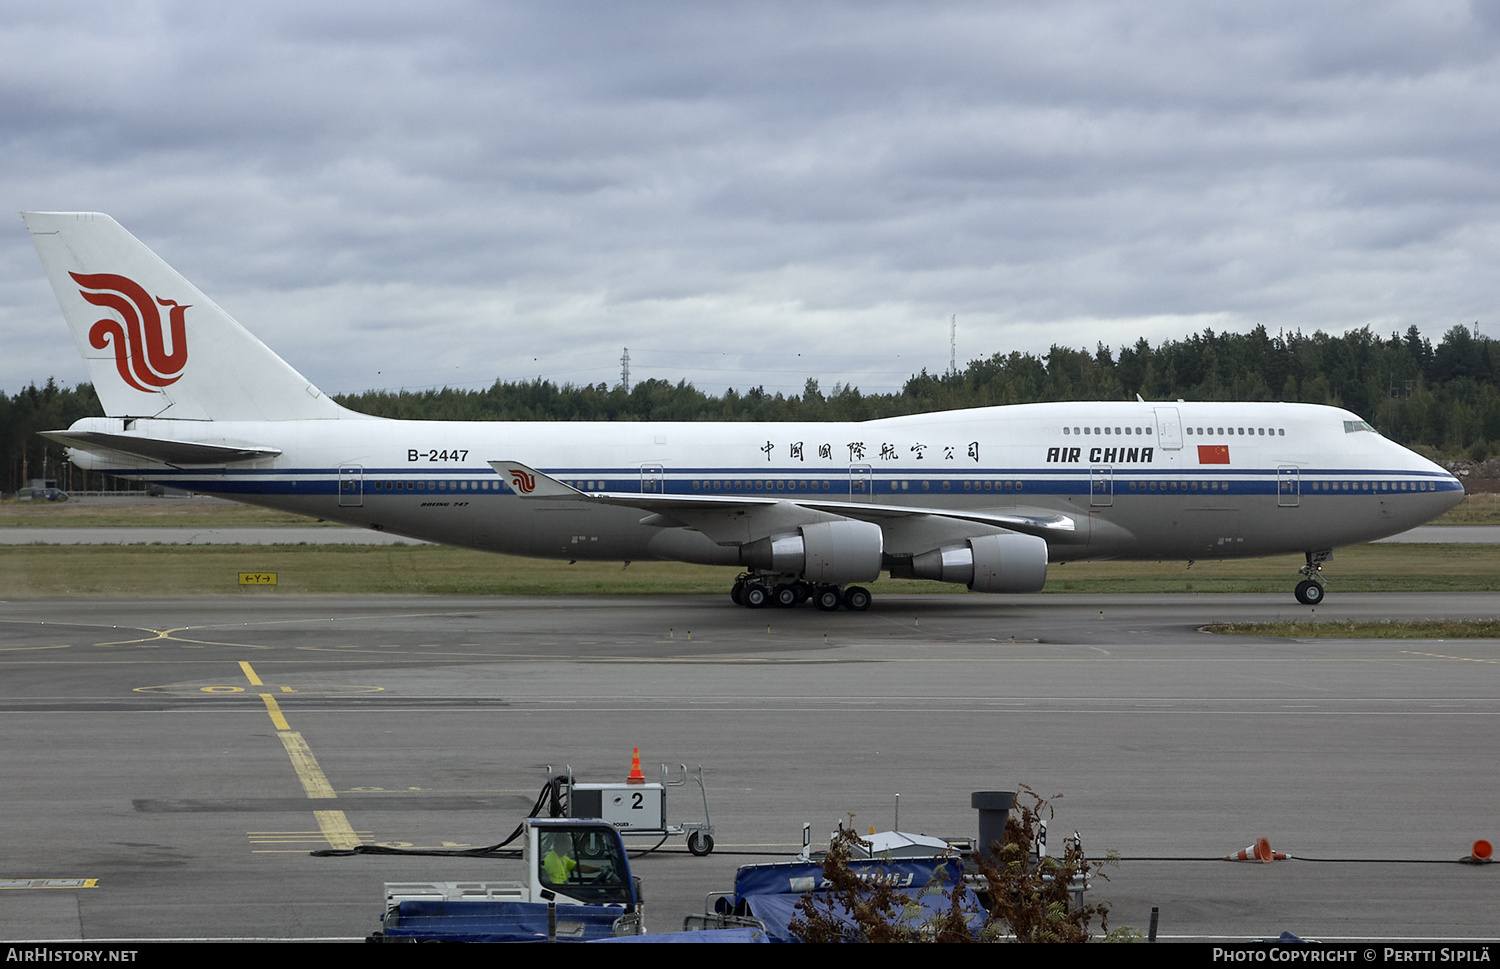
(522, 482)
(139, 338)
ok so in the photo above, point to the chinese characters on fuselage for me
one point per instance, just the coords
(887, 451)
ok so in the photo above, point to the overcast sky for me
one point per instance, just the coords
(442, 193)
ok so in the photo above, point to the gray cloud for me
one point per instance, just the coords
(397, 195)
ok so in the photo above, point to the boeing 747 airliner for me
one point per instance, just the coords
(984, 498)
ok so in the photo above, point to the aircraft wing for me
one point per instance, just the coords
(1053, 526)
(732, 518)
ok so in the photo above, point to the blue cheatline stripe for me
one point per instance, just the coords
(1034, 483)
(915, 474)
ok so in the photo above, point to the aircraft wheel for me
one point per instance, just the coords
(1309, 593)
(826, 598)
(755, 596)
(738, 593)
(784, 596)
(856, 598)
(700, 845)
(804, 591)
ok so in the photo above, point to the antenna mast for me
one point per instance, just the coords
(625, 369)
(953, 345)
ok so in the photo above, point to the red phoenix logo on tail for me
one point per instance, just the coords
(522, 482)
(139, 338)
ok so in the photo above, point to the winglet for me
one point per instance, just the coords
(531, 483)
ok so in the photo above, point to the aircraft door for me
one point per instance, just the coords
(861, 482)
(1169, 428)
(1101, 487)
(1288, 487)
(351, 485)
(653, 479)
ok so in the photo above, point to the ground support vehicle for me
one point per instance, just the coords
(578, 888)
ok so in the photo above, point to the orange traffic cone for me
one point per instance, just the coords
(1260, 851)
(636, 777)
(1480, 853)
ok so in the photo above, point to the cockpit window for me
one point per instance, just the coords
(1351, 426)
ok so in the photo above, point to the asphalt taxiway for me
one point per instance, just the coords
(186, 754)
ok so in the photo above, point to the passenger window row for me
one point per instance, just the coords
(1190, 431)
(440, 485)
(1233, 431)
(1370, 486)
(1123, 431)
(1307, 486)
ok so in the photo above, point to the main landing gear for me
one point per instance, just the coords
(758, 591)
(1310, 590)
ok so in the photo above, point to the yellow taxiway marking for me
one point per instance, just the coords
(153, 637)
(49, 883)
(286, 842)
(334, 826)
(336, 829)
(168, 634)
(306, 765)
(1461, 659)
(274, 709)
(228, 689)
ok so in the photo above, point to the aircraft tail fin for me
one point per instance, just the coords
(154, 344)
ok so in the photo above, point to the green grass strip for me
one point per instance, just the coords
(55, 571)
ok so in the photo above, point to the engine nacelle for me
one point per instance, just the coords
(827, 553)
(988, 563)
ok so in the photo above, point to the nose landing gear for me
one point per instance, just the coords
(1310, 590)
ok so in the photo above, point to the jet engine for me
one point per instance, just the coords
(988, 563)
(826, 553)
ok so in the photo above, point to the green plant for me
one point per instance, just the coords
(1025, 898)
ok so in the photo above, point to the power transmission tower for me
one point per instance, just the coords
(625, 369)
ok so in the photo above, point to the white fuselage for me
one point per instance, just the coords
(1139, 480)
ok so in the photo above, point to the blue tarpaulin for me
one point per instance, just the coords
(484, 921)
(770, 893)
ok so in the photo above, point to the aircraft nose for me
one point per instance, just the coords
(1452, 489)
(1449, 490)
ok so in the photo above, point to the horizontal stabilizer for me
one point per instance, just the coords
(161, 449)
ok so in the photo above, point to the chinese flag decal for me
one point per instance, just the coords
(1213, 454)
